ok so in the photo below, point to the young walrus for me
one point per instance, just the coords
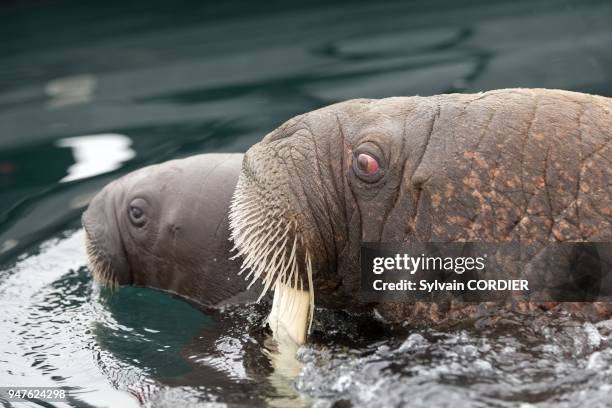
(522, 165)
(166, 226)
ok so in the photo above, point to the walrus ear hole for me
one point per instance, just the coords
(137, 213)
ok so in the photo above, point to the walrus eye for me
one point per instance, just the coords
(367, 164)
(367, 167)
(136, 212)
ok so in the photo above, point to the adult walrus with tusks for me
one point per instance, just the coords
(526, 165)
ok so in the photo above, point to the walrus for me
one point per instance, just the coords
(165, 226)
(525, 165)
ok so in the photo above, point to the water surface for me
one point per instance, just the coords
(89, 92)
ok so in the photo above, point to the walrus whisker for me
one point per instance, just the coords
(280, 265)
(100, 268)
(291, 261)
(248, 230)
(281, 247)
(268, 280)
(274, 230)
(276, 261)
(261, 233)
(253, 261)
(259, 240)
(248, 215)
(310, 290)
(271, 269)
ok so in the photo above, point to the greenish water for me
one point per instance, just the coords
(92, 90)
(154, 326)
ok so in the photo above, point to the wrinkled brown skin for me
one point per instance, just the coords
(527, 165)
(184, 246)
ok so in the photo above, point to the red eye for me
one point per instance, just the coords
(367, 164)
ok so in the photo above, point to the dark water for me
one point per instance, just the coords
(89, 92)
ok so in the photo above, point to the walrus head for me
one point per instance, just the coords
(165, 226)
(315, 188)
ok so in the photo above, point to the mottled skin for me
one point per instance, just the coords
(528, 165)
(180, 243)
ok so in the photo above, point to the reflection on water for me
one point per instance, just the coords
(159, 80)
(96, 154)
(148, 329)
(46, 326)
(71, 90)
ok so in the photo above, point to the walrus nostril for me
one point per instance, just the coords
(173, 228)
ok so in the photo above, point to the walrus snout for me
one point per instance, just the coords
(105, 254)
(284, 212)
(267, 227)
